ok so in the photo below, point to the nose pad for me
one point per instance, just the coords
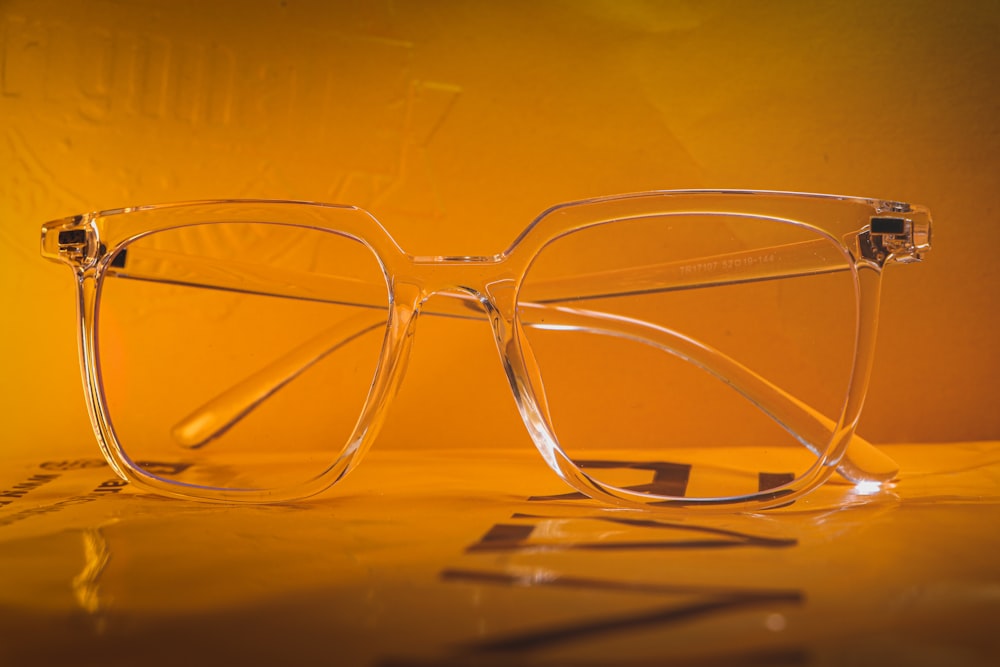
(526, 384)
(399, 337)
(534, 373)
(520, 365)
(395, 357)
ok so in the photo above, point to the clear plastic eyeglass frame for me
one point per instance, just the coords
(868, 234)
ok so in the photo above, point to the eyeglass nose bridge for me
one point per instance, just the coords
(456, 290)
(467, 288)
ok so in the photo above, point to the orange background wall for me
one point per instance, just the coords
(457, 122)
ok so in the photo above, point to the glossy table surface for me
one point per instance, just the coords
(427, 558)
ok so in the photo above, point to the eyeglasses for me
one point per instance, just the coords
(664, 349)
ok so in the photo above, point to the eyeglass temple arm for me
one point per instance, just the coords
(862, 461)
(221, 413)
(788, 260)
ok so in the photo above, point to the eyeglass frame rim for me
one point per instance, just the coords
(526, 246)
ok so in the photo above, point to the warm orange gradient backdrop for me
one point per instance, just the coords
(457, 122)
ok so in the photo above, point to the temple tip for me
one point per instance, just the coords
(863, 462)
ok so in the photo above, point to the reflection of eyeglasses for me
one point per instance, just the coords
(665, 349)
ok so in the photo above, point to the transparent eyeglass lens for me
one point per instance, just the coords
(239, 355)
(692, 356)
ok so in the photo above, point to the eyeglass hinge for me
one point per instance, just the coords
(73, 241)
(894, 238)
